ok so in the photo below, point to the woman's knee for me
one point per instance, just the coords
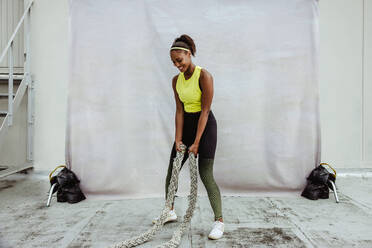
(206, 169)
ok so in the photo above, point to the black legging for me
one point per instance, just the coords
(207, 149)
(208, 140)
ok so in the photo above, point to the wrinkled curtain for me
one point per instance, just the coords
(263, 56)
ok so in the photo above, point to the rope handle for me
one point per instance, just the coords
(50, 175)
(329, 167)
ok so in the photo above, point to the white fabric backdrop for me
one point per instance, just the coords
(263, 56)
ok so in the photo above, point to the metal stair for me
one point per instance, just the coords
(13, 88)
(2, 116)
(4, 93)
(6, 170)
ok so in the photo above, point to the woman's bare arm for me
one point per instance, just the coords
(179, 115)
(206, 83)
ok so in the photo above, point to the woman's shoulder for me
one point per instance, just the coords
(174, 80)
(204, 73)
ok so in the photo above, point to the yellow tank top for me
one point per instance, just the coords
(189, 91)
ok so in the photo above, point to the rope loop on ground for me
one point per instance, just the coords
(177, 235)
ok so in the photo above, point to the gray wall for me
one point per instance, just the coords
(345, 82)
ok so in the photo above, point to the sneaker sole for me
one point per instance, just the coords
(154, 221)
(214, 238)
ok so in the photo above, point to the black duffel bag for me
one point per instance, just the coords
(319, 183)
(67, 186)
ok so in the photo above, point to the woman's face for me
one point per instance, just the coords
(181, 59)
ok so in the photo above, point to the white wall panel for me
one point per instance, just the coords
(367, 70)
(11, 12)
(341, 81)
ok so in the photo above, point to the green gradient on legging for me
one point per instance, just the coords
(206, 175)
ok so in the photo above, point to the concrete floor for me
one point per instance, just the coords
(25, 221)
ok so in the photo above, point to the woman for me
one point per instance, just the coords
(196, 126)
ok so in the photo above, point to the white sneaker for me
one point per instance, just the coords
(172, 216)
(217, 231)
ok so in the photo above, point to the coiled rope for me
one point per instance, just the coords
(176, 238)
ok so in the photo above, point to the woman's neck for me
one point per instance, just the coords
(188, 73)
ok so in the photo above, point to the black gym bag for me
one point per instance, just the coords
(67, 186)
(319, 183)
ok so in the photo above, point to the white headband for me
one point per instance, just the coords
(182, 48)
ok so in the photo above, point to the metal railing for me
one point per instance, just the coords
(26, 83)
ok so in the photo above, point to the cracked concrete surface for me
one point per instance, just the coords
(249, 221)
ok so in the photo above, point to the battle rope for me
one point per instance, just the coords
(176, 238)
